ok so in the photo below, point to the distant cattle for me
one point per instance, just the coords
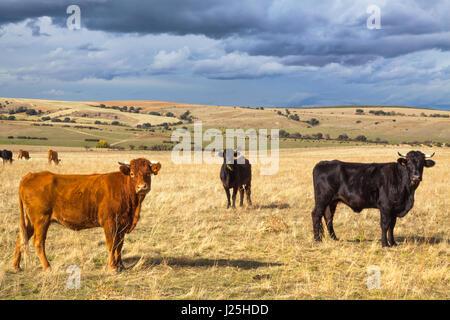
(111, 201)
(53, 156)
(23, 154)
(236, 174)
(6, 156)
(389, 187)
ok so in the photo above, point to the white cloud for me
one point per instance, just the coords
(172, 60)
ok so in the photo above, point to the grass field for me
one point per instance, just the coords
(187, 245)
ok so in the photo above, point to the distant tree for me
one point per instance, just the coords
(284, 134)
(31, 112)
(102, 144)
(343, 137)
(296, 135)
(132, 146)
(318, 136)
(11, 118)
(294, 117)
(361, 138)
(313, 122)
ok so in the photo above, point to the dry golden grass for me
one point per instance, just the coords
(187, 245)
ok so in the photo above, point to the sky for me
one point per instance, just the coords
(283, 53)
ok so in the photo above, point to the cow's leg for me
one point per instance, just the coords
(241, 196)
(317, 215)
(110, 235)
(391, 231)
(19, 248)
(385, 222)
(227, 191)
(233, 197)
(329, 215)
(118, 251)
(40, 234)
(248, 193)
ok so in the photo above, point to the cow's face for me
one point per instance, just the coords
(140, 171)
(228, 155)
(414, 162)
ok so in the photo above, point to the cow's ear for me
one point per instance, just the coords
(155, 167)
(429, 163)
(401, 161)
(125, 170)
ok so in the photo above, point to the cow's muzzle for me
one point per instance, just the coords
(142, 188)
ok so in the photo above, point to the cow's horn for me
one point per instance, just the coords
(429, 155)
(124, 163)
(154, 162)
(401, 155)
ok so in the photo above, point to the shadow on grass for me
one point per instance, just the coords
(400, 240)
(188, 262)
(420, 239)
(273, 206)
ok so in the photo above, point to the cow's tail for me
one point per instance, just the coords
(23, 229)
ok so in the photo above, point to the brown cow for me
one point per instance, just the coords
(111, 201)
(23, 154)
(53, 156)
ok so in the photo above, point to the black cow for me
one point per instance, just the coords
(389, 187)
(6, 155)
(236, 174)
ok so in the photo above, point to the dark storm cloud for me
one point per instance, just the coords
(307, 32)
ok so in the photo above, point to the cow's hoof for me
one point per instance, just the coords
(394, 244)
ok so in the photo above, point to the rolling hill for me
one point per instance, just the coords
(150, 123)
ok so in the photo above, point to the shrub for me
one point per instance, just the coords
(11, 118)
(294, 117)
(102, 144)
